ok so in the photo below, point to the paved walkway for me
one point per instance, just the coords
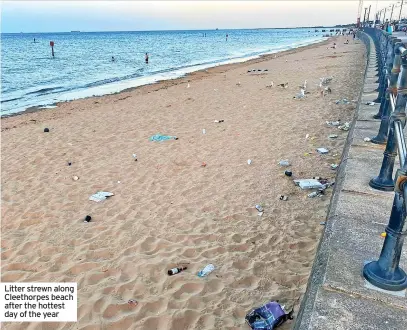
(337, 296)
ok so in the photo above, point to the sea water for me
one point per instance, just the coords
(83, 66)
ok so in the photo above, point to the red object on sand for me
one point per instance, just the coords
(51, 43)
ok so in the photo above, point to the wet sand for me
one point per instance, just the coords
(168, 209)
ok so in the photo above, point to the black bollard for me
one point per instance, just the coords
(385, 273)
(385, 180)
(393, 70)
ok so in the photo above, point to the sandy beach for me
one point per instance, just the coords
(189, 201)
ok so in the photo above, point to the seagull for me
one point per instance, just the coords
(285, 85)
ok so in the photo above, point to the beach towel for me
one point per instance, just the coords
(160, 137)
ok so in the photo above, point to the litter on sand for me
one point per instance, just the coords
(322, 151)
(284, 163)
(344, 127)
(334, 166)
(135, 157)
(206, 271)
(333, 136)
(259, 208)
(249, 161)
(268, 317)
(283, 198)
(342, 101)
(260, 214)
(218, 121)
(75, 178)
(160, 138)
(333, 123)
(315, 194)
(366, 139)
(370, 103)
(309, 184)
(100, 196)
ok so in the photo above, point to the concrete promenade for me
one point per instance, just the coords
(337, 296)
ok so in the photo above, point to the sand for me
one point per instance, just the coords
(168, 209)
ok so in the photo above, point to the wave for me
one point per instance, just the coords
(9, 100)
(43, 91)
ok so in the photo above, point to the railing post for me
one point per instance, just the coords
(385, 180)
(383, 49)
(393, 69)
(385, 273)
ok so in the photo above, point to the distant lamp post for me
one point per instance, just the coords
(401, 7)
(391, 15)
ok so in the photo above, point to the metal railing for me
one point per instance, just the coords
(385, 273)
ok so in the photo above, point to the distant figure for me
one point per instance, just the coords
(354, 35)
(34, 40)
(146, 57)
(334, 46)
(227, 37)
(113, 59)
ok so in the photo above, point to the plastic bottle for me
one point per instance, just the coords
(206, 271)
(176, 270)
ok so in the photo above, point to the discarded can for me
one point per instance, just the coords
(176, 270)
(284, 163)
(249, 161)
(87, 218)
(288, 173)
(259, 208)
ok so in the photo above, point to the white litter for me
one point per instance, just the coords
(322, 151)
(204, 131)
(333, 136)
(309, 184)
(284, 163)
(370, 103)
(366, 139)
(333, 123)
(259, 208)
(249, 161)
(306, 137)
(100, 196)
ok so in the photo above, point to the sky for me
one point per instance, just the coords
(63, 16)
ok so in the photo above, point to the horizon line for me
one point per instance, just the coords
(215, 29)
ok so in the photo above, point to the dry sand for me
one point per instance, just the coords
(168, 210)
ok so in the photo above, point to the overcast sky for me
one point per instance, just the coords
(61, 16)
